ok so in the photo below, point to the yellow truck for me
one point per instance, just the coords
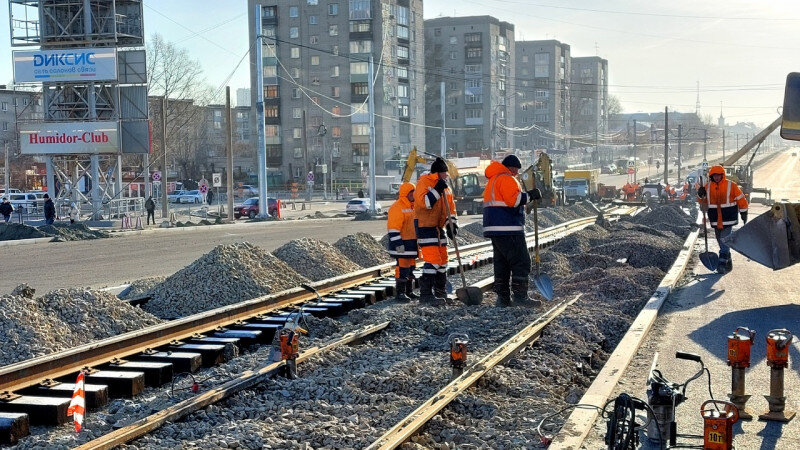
(580, 185)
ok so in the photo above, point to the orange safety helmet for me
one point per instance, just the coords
(716, 170)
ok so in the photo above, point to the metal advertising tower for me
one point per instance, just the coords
(91, 64)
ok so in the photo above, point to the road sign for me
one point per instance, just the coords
(631, 164)
(156, 176)
(203, 188)
(630, 170)
(704, 165)
(310, 177)
(216, 180)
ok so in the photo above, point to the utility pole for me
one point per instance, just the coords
(635, 165)
(444, 130)
(723, 145)
(229, 152)
(309, 183)
(164, 171)
(666, 144)
(705, 143)
(7, 172)
(680, 150)
(371, 135)
(260, 120)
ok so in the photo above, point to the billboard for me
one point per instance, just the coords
(66, 65)
(65, 138)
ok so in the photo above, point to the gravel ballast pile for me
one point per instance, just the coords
(73, 232)
(140, 287)
(363, 249)
(314, 259)
(15, 231)
(228, 274)
(62, 319)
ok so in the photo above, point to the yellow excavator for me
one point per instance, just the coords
(773, 238)
(467, 185)
(541, 173)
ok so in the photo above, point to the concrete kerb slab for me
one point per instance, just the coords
(579, 423)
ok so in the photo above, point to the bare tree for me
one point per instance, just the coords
(614, 106)
(176, 76)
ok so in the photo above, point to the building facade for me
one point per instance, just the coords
(19, 106)
(243, 97)
(589, 97)
(315, 70)
(473, 57)
(543, 107)
(213, 142)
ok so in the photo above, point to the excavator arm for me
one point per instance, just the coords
(416, 157)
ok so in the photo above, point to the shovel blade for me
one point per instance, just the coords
(470, 295)
(710, 260)
(544, 284)
(765, 240)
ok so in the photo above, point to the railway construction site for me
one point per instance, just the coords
(193, 359)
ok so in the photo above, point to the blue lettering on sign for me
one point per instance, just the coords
(64, 59)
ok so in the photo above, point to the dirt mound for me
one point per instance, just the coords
(363, 249)
(314, 259)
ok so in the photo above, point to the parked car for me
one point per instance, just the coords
(246, 190)
(10, 191)
(655, 190)
(191, 197)
(609, 169)
(359, 205)
(23, 202)
(249, 208)
(173, 196)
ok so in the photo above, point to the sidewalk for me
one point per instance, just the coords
(697, 318)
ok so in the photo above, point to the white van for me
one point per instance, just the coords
(24, 202)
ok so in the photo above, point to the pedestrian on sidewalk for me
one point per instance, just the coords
(722, 199)
(74, 213)
(49, 210)
(210, 196)
(504, 223)
(433, 200)
(6, 208)
(403, 242)
(150, 207)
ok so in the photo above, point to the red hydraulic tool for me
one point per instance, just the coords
(458, 353)
(718, 424)
(290, 350)
(739, 344)
(777, 359)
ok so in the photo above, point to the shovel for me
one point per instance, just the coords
(542, 281)
(709, 259)
(469, 295)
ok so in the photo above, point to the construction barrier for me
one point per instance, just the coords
(126, 223)
(279, 209)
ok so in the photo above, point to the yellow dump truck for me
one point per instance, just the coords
(580, 185)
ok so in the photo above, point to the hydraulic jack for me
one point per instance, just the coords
(458, 353)
(739, 344)
(777, 359)
(718, 424)
(290, 350)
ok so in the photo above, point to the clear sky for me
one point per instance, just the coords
(739, 50)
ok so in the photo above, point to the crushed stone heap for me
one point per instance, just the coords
(314, 259)
(363, 249)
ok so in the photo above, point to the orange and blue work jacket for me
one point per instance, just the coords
(724, 199)
(400, 225)
(432, 214)
(503, 203)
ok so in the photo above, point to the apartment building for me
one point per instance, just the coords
(473, 57)
(588, 96)
(315, 66)
(543, 107)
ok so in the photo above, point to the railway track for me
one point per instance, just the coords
(121, 367)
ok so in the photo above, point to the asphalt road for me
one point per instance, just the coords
(118, 260)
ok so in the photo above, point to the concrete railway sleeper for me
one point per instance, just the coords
(38, 390)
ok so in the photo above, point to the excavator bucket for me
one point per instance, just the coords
(771, 239)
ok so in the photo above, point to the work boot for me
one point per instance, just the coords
(503, 294)
(400, 290)
(722, 268)
(440, 285)
(729, 265)
(426, 296)
(520, 290)
(410, 288)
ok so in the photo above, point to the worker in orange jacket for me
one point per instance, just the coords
(723, 199)
(403, 242)
(435, 209)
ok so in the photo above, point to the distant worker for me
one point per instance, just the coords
(504, 223)
(210, 196)
(403, 242)
(150, 207)
(722, 199)
(49, 210)
(360, 193)
(6, 208)
(435, 209)
(74, 213)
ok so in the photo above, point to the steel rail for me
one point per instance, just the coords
(246, 380)
(408, 426)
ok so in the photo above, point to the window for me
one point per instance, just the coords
(474, 83)
(335, 49)
(268, 12)
(360, 26)
(293, 11)
(5, 125)
(473, 68)
(541, 65)
(473, 113)
(25, 102)
(315, 80)
(313, 39)
(359, 88)
(474, 52)
(524, 58)
(295, 72)
(402, 91)
(473, 98)
(333, 9)
(315, 60)
(360, 9)
(312, 20)
(297, 133)
(4, 106)
(540, 104)
(402, 72)
(271, 91)
(336, 132)
(402, 32)
(313, 2)
(472, 37)
(334, 91)
(335, 71)
(337, 110)
(295, 52)
(402, 110)
(454, 116)
(525, 107)
(359, 68)
(298, 153)
(294, 32)
(271, 131)
(295, 92)
(360, 149)
(271, 111)
(333, 30)
(437, 31)
(360, 129)
(297, 113)
(541, 118)
(315, 100)
(453, 55)
(452, 101)
(360, 46)
(453, 40)
(402, 52)
(402, 15)
(541, 93)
